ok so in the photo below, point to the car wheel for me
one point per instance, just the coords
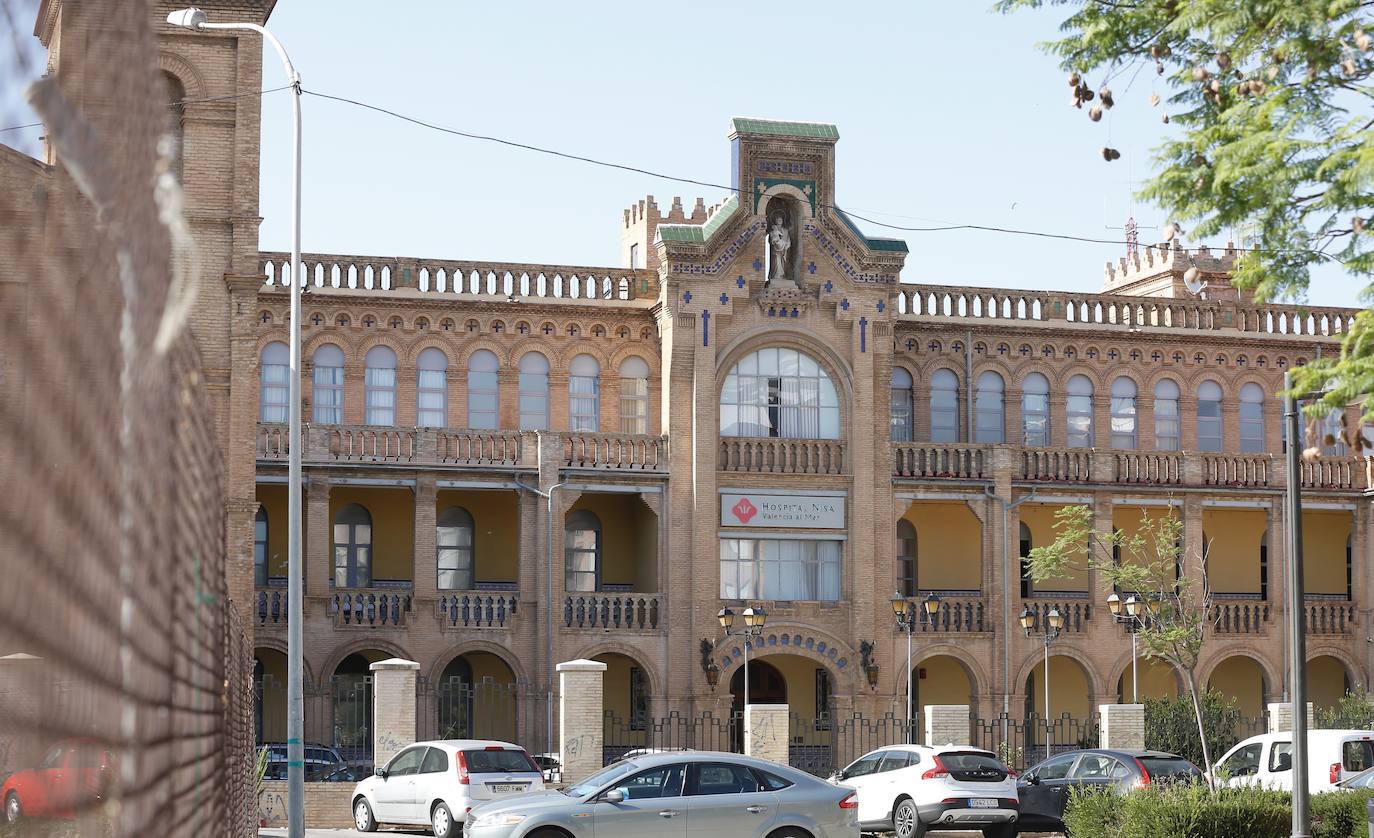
(362, 816)
(441, 819)
(13, 811)
(906, 821)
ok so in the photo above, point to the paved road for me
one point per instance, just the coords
(350, 833)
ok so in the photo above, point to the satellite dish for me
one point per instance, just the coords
(1192, 280)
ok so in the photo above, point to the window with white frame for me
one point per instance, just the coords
(944, 407)
(431, 389)
(780, 569)
(534, 392)
(584, 394)
(353, 547)
(274, 390)
(634, 395)
(1252, 419)
(779, 392)
(1123, 413)
(1209, 416)
(1078, 412)
(455, 547)
(1167, 434)
(484, 395)
(582, 551)
(989, 422)
(1333, 432)
(1035, 411)
(379, 387)
(260, 547)
(327, 405)
(901, 405)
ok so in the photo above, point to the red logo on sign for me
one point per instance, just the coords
(744, 510)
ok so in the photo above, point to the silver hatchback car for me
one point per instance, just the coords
(703, 794)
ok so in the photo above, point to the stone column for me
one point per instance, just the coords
(1123, 726)
(1281, 717)
(425, 557)
(319, 569)
(580, 717)
(766, 731)
(393, 707)
(947, 724)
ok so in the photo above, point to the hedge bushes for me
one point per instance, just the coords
(1191, 811)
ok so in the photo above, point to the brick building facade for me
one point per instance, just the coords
(708, 437)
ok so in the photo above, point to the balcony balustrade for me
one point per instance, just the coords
(777, 455)
(933, 460)
(476, 610)
(1076, 615)
(633, 611)
(1234, 616)
(638, 452)
(1331, 617)
(956, 614)
(369, 608)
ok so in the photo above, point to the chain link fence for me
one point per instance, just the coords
(126, 705)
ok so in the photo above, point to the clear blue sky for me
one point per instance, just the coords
(947, 113)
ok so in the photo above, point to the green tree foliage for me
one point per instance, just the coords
(1270, 104)
(1355, 711)
(1170, 725)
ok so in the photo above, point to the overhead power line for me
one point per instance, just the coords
(173, 104)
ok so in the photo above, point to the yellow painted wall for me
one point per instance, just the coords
(1233, 548)
(615, 685)
(949, 546)
(1068, 689)
(1157, 680)
(1325, 681)
(1324, 535)
(393, 527)
(496, 531)
(274, 697)
(1039, 517)
(272, 496)
(1130, 520)
(629, 539)
(1241, 679)
(945, 683)
(800, 675)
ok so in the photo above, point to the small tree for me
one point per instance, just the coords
(1151, 565)
(1170, 725)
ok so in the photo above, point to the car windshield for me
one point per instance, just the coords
(606, 776)
(1164, 767)
(498, 761)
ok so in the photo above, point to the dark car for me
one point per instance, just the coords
(341, 773)
(1044, 788)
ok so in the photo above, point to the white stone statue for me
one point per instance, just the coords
(780, 243)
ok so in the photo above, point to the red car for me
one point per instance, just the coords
(74, 775)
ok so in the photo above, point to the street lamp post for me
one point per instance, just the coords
(754, 618)
(1297, 637)
(1135, 620)
(905, 612)
(1049, 634)
(196, 20)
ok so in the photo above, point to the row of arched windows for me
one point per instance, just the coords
(989, 420)
(432, 389)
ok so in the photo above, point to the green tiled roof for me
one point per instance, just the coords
(808, 130)
(883, 245)
(700, 232)
(722, 215)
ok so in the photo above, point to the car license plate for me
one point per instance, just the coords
(983, 803)
(506, 788)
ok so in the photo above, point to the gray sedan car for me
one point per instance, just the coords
(676, 795)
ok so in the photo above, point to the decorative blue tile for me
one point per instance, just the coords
(724, 298)
(739, 282)
(706, 328)
(811, 268)
(796, 313)
(687, 298)
(758, 264)
(881, 306)
(844, 304)
(829, 286)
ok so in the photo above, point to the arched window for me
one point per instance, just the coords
(176, 123)
(779, 392)
(582, 551)
(901, 405)
(1252, 419)
(483, 390)
(1209, 416)
(455, 542)
(274, 389)
(944, 407)
(534, 392)
(906, 558)
(260, 547)
(1123, 413)
(1078, 412)
(584, 394)
(1167, 436)
(328, 402)
(353, 547)
(1027, 582)
(1334, 430)
(431, 389)
(379, 387)
(1035, 411)
(634, 395)
(989, 421)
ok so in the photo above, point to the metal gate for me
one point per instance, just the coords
(457, 708)
(351, 699)
(674, 732)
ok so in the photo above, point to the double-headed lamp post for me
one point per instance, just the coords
(754, 618)
(905, 612)
(196, 20)
(1130, 613)
(1050, 634)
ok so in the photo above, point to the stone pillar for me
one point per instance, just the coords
(319, 539)
(1281, 717)
(1123, 726)
(425, 557)
(393, 707)
(580, 716)
(766, 731)
(947, 724)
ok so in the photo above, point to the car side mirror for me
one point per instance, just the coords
(382, 772)
(841, 775)
(613, 796)
(1031, 780)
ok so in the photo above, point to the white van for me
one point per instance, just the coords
(1267, 760)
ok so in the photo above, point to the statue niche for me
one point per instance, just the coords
(783, 241)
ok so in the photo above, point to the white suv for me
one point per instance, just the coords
(438, 783)
(910, 788)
